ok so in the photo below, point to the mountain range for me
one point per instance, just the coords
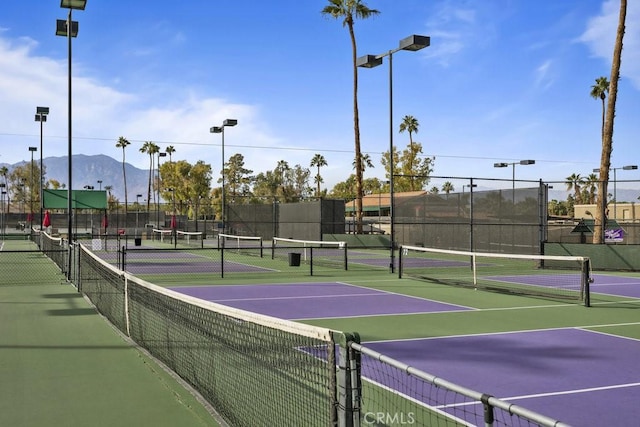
(88, 170)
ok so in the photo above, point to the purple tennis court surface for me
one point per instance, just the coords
(315, 300)
(602, 283)
(616, 285)
(580, 377)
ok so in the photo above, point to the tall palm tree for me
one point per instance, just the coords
(348, 11)
(590, 187)
(599, 91)
(170, 150)
(149, 148)
(574, 182)
(607, 133)
(318, 161)
(410, 124)
(123, 143)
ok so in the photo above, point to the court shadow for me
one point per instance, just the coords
(72, 312)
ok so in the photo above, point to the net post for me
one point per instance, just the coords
(400, 262)
(346, 260)
(126, 306)
(475, 270)
(273, 248)
(310, 261)
(489, 416)
(222, 261)
(349, 384)
(586, 281)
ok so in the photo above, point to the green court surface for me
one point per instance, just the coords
(62, 364)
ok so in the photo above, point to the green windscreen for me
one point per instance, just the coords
(80, 199)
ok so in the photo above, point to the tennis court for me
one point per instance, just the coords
(298, 301)
(580, 374)
(510, 327)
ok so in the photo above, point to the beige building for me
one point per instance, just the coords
(618, 211)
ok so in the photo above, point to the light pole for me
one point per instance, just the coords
(470, 186)
(41, 116)
(3, 217)
(137, 212)
(615, 190)
(31, 184)
(3, 222)
(513, 174)
(160, 154)
(100, 184)
(411, 43)
(69, 29)
(220, 129)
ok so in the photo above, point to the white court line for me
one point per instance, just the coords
(550, 394)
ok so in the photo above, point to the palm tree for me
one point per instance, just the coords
(607, 133)
(574, 182)
(599, 91)
(447, 187)
(410, 124)
(123, 143)
(170, 150)
(590, 188)
(365, 162)
(318, 161)
(149, 148)
(349, 10)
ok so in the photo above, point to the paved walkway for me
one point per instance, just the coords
(62, 364)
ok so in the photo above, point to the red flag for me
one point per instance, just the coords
(174, 223)
(47, 219)
(105, 222)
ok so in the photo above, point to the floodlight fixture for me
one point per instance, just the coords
(73, 4)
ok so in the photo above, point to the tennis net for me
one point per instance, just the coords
(190, 238)
(330, 254)
(253, 369)
(162, 234)
(53, 247)
(245, 245)
(556, 277)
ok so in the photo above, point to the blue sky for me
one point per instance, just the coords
(503, 80)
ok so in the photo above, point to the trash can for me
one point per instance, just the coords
(138, 241)
(294, 259)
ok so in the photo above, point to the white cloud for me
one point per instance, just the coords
(600, 36)
(102, 113)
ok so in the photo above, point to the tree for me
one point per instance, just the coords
(170, 150)
(590, 186)
(415, 171)
(238, 178)
(408, 168)
(151, 149)
(607, 134)
(349, 10)
(410, 124)
(447, 187)
(574, 182)
(599, 91)
(318, 161)
(123, 143)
